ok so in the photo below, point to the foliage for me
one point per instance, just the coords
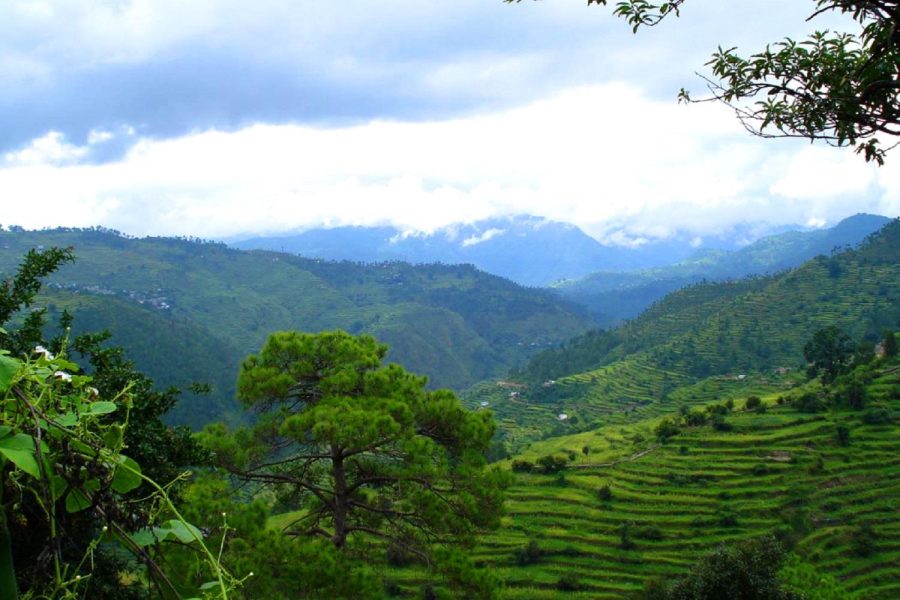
(63, 473)
(833, 86)
(18, 292)
(551, 463)
(363, 449)
(666, 429)
(829, 352)
(890, 344)
(528, 554)
(862, 540)
(746, 571)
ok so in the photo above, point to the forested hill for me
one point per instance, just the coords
(614, 296)
(723, 330)
(189, 311)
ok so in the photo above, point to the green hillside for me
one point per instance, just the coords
(777, 469)
(614, 297)
(747, 335)
(454, 323)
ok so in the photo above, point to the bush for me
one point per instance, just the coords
(585, 450)
(752, 402)
(522, 466)
(666, 429)
(727, 519)
(843, 435)
(760, 470)
(809, 403)
(625, 541)
(694, 419)
(571, 454)
(862, 540)
(648, 532)
(720, 424)
(550, 464)
(877, 417)
(568, 583)
(604, 493)
(528, 554)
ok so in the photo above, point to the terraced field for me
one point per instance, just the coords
(778, 470)
(625, 392)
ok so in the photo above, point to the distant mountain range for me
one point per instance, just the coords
(189, 311)
(614, 296)
(528, 250)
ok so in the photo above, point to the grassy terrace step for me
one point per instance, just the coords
(779, 470)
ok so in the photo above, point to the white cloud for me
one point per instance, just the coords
(604, 157)
(50, 149)
(484, 237)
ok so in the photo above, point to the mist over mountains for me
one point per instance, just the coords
(527, 249)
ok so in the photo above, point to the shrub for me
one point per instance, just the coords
(809, 403)
(568, 583)
(752, 402)
(625, 541)
(694, 419)
(666, 429)
(585, 450)
(727, 518)
(522, 466)
(682, 450)
(760, 470)
(877, 417)
(729, 404)
(843, 435)
(720, 424)
(528, 554)
(745, 570)
(862, 540)
(604, 493)
(648, 532)
(550, 464)
(571, 454)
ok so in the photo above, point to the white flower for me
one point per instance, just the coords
(63, 375)
(93, 392)
(43, 351)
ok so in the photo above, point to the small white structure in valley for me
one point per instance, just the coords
(563, 417)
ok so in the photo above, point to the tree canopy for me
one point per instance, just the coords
(362, 450)
(840, 87)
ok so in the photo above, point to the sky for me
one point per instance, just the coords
(222, 118)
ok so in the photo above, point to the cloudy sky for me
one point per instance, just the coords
(226, 117)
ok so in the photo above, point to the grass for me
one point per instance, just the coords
(780, 470)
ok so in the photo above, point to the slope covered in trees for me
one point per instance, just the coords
(615, 296)
(712, 333)
(453, 323)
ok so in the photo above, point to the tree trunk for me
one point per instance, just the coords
(340, 500)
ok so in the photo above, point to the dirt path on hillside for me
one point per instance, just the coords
(631, 458)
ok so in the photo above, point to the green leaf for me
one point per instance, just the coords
(144, 537)
(102, 407)
(19, 449)
(8, 369)
(185, 532)
(76, 501)
(4, 430)
(67, 420)
(126, 479)
(209, 585)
